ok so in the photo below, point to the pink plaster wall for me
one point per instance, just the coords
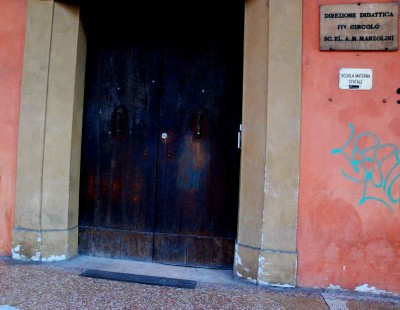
(340, 240)
(12, 31)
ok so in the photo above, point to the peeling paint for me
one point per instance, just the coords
(54, 258)
(367, 289)
(262, 231)
(36, 258)
(247, 278)
(238, 260)
(261, 260)
(260, 282)
(16, 256)
(265, 179)
(334, 287)
(265, 283)
(16, 252)
(251, 280)
(283, 285)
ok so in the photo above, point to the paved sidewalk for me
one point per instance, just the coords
(59, 286)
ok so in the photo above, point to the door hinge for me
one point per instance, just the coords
(240, 137)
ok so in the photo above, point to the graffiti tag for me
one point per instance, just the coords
(373, 165)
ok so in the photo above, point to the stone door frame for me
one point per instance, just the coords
(50, 132)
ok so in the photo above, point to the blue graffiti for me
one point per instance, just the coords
(373, 165)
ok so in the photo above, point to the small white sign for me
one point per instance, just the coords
(355, 79)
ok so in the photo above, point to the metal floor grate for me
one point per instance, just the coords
(135, 278)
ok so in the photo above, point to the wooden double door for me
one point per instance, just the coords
(160, 157)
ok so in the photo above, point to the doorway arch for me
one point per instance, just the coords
(47, 200)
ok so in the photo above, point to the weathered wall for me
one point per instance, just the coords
(12, 30)
(46, 208)
(348, 237)
(266, 245)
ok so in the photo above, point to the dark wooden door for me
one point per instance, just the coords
(160, 163)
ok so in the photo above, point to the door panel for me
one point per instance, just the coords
(198, 162)
(119, 150)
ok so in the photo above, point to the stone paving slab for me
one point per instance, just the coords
(49, 286)
(348, 300)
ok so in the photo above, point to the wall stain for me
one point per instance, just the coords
(394, 125)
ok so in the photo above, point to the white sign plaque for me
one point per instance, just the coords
(355, 79)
